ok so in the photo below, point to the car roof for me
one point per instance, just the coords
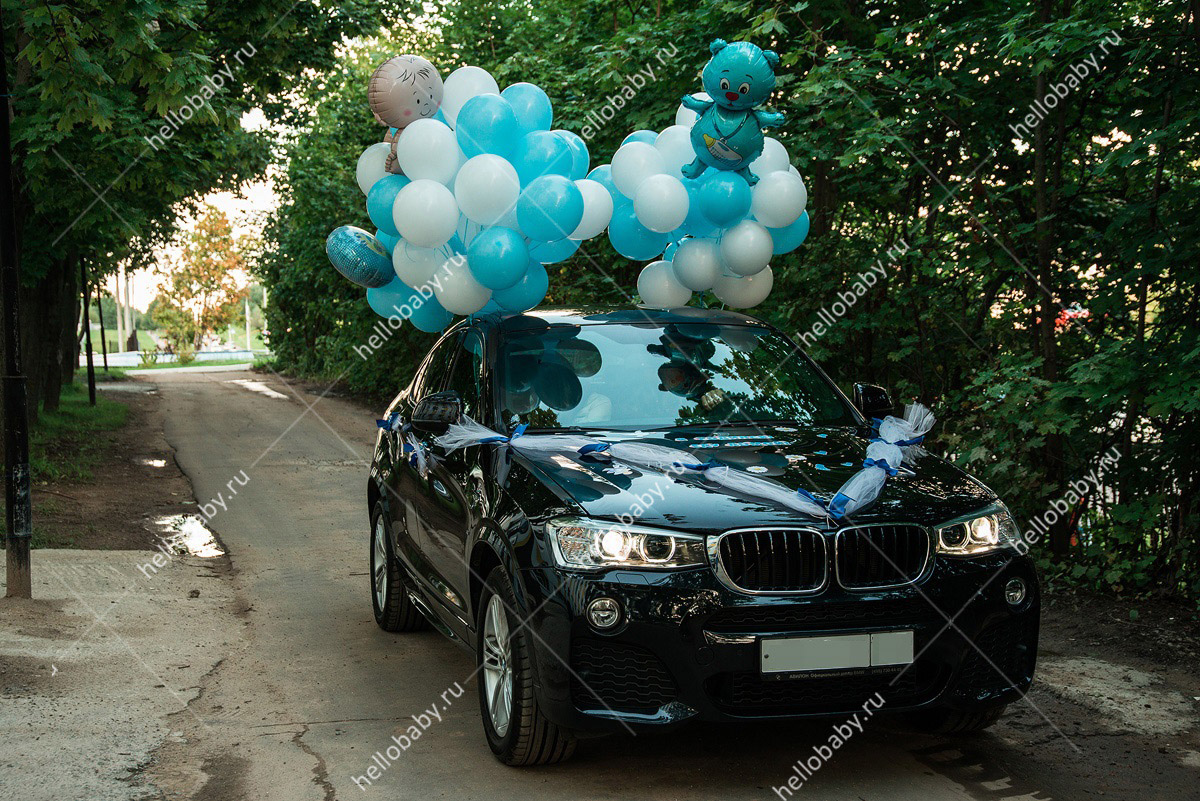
(602, 315)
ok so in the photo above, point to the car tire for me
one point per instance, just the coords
(956, 721)
(393, 609)
(521, 736)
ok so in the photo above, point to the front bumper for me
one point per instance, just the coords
(688, 646)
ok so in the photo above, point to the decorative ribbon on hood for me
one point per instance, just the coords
(898, 442)
(643, 456)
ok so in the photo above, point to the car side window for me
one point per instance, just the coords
(466, 378)
(437, 367)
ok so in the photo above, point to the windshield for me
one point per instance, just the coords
(640, 376)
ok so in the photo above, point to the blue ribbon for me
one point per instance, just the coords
(390, 423)
(710, 464)
(882, 465)
(901, 442)
(505, 440)
(594, 448)
(837, 506)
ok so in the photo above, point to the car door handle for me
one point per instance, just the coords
(440, 488)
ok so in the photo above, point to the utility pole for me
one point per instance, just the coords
(87, 333)
(248, 321)
(130, 331)
(19, 516)
(120, 314)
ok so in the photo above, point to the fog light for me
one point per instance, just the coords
(1014, 592)
(604, 613)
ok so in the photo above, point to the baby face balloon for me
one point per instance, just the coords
(404, 89)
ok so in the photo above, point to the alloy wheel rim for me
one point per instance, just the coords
(379, 568)
(497, 666)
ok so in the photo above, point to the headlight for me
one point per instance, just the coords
(978, 533)
(586, 544)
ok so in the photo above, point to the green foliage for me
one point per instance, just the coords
(901, 118)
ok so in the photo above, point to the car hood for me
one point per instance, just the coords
(927, 491)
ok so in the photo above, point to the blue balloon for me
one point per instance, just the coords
(390, 300)
(603, 176)
(359, 256)
(790, 237)
(541, 153)
(428, 316)
(487, 124)
(380, 199)
(387, 240)
(550, 208)
(531, 105)
(527, 293)
(553, 252)
(695, 224)
(491, 307)
(724, 197)
(498, 257)
(640, 136)
(579, 153)
(632, 239)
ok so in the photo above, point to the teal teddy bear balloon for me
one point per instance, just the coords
(728, 135)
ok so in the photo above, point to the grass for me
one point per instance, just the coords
(63, 444)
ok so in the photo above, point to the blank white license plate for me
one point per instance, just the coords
(839, 652)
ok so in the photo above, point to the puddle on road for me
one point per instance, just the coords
(257, 386)
(187, 533)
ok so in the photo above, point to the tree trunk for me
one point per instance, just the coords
(54, 325)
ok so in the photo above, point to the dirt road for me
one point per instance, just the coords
(309, 690)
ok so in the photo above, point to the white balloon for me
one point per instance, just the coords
(416, 265)
(597, 209)
(661, 203)
(463, 84)
(486, 187)
(634, 163)
(370, 166)
(425, 213)
(675, 144)
(428, 149)
(697, 263)
(685, 116)
(658, 288)
(746, 248)
(774, 157)
(779, 198)
(744, 292)
(458, 291)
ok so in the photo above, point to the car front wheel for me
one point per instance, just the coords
(393, 610)
(517, 732)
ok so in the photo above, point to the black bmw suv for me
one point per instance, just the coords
(602, 596)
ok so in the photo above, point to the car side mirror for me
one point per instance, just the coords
(434, 413)
(872, 400)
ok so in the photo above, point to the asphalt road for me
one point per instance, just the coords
(311, 689)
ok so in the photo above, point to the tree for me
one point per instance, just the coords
(910, 122)
(201, 293)
(126, 112)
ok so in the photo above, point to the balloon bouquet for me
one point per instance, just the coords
(710, 193)
(471, 193)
